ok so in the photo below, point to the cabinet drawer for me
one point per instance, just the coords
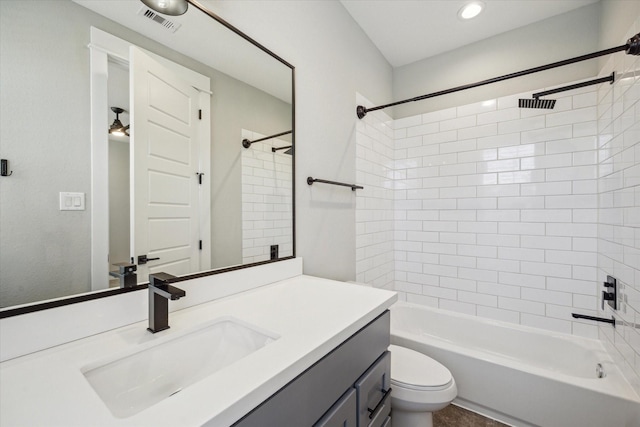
(382, 415)
(342, 413)
(373, 392)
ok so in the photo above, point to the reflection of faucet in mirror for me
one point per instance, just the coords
(126, 273)
(160, 292)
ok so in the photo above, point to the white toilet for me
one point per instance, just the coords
(420, 386)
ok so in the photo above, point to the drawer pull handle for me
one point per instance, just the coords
(373, 412)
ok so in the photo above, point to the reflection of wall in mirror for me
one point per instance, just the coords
(119, 223)
(267, 184)
(44, 252)
(45, 133)
(119, 207)
(236, 106)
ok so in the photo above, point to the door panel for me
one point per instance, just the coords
(169, 145)
(169, 99)
(164, 187)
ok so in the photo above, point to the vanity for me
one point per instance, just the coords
(312, 350)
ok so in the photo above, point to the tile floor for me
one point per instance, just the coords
(455, 416)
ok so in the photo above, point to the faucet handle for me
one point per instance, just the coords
(126, 274)
(161, 278)
(125, 267)
(611, 296)
(175, 293)
(161, 282)
(608, 296)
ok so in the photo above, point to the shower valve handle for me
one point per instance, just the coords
(607, 296)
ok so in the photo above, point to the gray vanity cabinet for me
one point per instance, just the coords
(374, 393)
(325, 394)
(342, 413)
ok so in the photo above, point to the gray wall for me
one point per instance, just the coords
(44, 132)
(564, 36)
(334, 59)
(616, 17)
(119, 207)
(235, 106)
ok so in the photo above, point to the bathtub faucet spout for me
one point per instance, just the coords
(597, 319)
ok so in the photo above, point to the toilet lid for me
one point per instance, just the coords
(417, 371)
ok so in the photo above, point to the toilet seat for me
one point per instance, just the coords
(416, 371)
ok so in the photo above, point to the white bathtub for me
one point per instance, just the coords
(519, 375)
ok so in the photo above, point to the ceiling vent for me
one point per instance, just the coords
(159, 19)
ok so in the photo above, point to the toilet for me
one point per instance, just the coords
(420, 386)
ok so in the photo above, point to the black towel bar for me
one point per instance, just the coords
(354, 187)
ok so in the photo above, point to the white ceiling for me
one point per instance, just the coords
(407, 31)
(225, 52)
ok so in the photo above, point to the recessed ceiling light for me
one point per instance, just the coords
(470, 10)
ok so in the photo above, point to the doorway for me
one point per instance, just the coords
(168, 207)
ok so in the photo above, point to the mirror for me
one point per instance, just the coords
(70, 212)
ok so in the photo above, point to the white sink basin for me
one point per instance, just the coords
(131, 382)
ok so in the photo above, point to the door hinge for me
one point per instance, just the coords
(199, 114)
(200, 244)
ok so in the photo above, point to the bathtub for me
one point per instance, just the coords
(519, 375)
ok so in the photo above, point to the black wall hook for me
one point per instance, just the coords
(5, 168)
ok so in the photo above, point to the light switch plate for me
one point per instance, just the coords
(71, 201)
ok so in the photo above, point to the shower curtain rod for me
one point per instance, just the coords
(632, 47)
(246, 143)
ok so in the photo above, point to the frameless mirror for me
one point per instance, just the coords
(180, 193)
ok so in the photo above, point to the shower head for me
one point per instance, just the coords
(289, 151)
(537, 103)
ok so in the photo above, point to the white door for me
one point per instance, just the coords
(164, 158)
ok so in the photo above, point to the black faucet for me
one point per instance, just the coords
(160, 292)
(126, 274)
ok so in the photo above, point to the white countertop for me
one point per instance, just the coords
(311, 315)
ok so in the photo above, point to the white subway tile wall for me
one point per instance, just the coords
(618, 233)
(512, 214)
(267, 199)
(513, 210)
(375, 203)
